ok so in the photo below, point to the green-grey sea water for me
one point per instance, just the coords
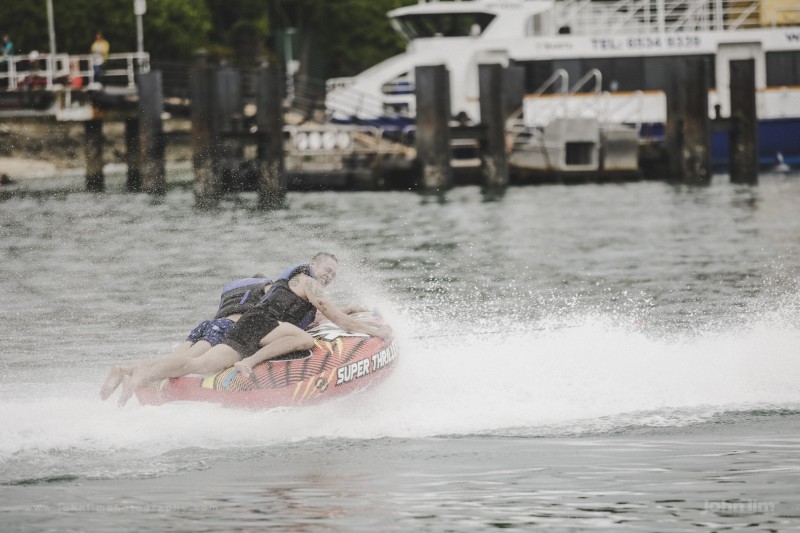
(623, 356)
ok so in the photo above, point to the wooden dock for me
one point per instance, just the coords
(246, 142)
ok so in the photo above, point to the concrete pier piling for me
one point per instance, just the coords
(492, 109)
(151, 133)
(93, 147)
(433, 130)
(269, 119)
(744, 126)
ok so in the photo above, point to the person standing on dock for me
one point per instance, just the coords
(8, 47)
(99, 50)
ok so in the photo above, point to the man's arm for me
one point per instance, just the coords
(316, 295)
(353, 308)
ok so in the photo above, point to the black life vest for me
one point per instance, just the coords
(241, 295)
(284, 305)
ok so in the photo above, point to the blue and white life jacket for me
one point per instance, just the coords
(241, 295)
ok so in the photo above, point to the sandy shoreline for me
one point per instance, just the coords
(18, 168)
(33, 175)
(49, 149)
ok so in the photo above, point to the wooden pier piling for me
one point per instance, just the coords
(696, 153)
(743, 151)
(93, 148)
(513, 89)
(227, 99)
(133, 155)
(673, 127)
(687, 132)
(151, 133)
(227, 125)
(272, 181)
(492, 108)
(204, 138)
(433, 130)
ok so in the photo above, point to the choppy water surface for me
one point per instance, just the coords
(622, 356)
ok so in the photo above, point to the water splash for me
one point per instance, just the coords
(591, 377)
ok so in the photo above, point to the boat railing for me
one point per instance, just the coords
(347, 102)
(520, 134)
(51, 71)
(741, 14)
(559, 75)
(305, 93)
(628, 110)
(593, 74)
(670, 16)
(782, 14)
(562, 103)
(515, 123)
(333, 84)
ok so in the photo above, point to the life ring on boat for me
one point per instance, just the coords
(340, 363)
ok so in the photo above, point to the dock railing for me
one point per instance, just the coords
(59, 71)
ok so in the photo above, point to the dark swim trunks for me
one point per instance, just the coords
(211, 331)
(245, 336)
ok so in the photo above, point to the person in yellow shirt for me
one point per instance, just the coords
(99, 51)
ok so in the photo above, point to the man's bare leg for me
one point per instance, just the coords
(115, 375)
(111, 383)
(286, 338)
(151, 371)
(217, 358)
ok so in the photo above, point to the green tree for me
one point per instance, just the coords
(334, 37)
(172, 28)
(175, 29)
(356, 34)
(342, 37)
(239, 33)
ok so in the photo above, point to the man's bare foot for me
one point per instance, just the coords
(111, 383)
(127, 390)
(244, 370)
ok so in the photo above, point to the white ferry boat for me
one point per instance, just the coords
(601, 59)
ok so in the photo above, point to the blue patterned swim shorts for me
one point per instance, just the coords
(211, 331)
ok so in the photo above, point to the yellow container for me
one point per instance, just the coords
(780, 12)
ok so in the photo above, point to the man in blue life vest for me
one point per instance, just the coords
(268, 330)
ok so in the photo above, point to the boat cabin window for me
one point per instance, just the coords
(415, 26)
(783, 69)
